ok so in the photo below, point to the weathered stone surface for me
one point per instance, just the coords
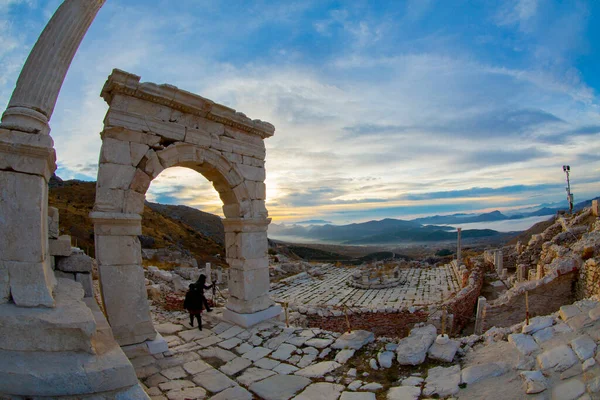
(357, 396)
(584, 346)
(412, 350)
(344, 355)
(196, 367)
(560, 358)
(321, 391)
(175, 385)
(67, 327)
(353, 340)
(568, 390)
(534, 381)
(283, 352)
(372, 387)
(85, 279)
(442, 381)
(537, 323)
(236, 365)
(318, 343)
(318, 370)
(168, 328)
(252, 375)
(385, 359)
(213, 380)
(75, 263)
(185, 394)
(257, 353)
(403, 393)
(279, 387)
(285, 369)
(569, 311)
(126, 303)
(234, 393)
(53, 220)
(443, 352)
(524, 343)
(60, 246)
(479, 372)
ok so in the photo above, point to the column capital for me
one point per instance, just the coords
(246, 224)
(27, 153)
(116, 224)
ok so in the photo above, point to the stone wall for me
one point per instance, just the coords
(589, 279)
(543, 299)
(463, 305)
(396, 324)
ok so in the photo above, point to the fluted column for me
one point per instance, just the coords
(41, 78)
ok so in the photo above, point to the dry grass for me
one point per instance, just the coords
(75, 201)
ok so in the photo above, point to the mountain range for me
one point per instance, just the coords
(425, 229)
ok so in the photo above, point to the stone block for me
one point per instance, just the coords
(151, 164)
(53, 231)
(279, 387)
(24, 211)
(31, 283)
(116, 224)
(60, 246)
(596, 208)
(68, 326)
(27, 158)
(140, 182)
(170, 130)
(197, 137)
(115, 152)
(118, 250)
(252, 245)
(248, 285)
(137, 151)
(126, 303)
(86, 281)
(252, 318)
(252, 173)
(133, 202)
(75, 263)
(109, 200)
(115, 176)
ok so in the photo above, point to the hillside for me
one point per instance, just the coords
(75, 200)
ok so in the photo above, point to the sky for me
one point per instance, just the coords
(387, 109)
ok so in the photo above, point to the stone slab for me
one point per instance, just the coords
(321, 391)
(353, 340)
(248, 320)
(279, 387)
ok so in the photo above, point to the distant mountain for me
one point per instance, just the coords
(202, 222)
(463, 218)
(313, 222)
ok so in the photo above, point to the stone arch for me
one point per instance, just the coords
(149, 128)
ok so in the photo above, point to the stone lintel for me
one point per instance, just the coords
(168, 95)
(246, 224)
(248, 320)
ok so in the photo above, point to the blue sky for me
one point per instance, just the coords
(382, 109)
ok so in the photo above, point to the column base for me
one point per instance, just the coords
(248, 320)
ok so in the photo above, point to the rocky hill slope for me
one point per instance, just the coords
(162, 227)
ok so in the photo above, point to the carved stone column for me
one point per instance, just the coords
(122, 285)
(247, 245)
(42, 76)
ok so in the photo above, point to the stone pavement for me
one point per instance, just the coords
(555, 356)
(423, 286)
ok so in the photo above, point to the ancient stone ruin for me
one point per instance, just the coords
(406, 331)
(148, 128)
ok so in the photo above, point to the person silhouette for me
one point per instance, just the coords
(193, 304)
(201, 284)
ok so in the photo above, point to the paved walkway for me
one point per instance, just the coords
(423, 286)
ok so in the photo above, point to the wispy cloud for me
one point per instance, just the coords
(379, 108)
